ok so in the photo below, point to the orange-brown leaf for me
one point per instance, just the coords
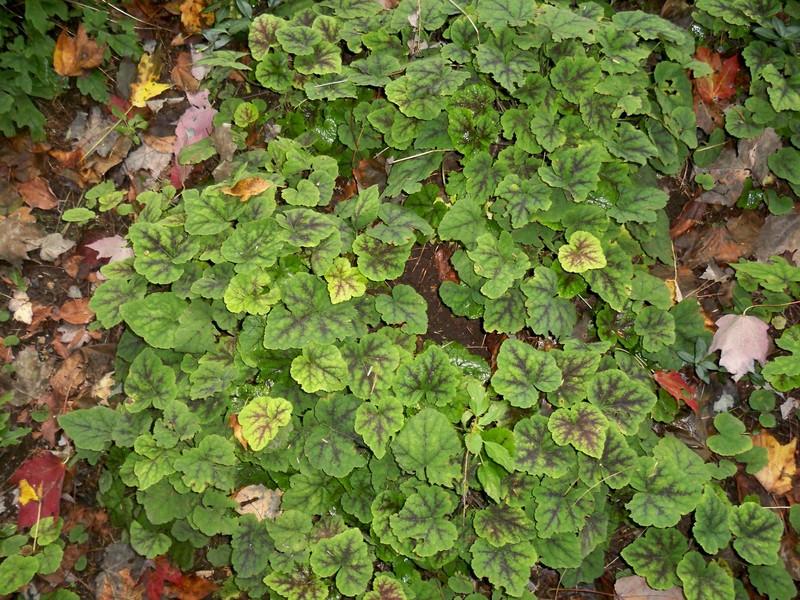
(246, 188)
(721, 84)
(76, 312)
(677, 387)
(74, 55)
(37, 194)
(193, 17)
(776, 476)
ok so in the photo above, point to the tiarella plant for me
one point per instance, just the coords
(268, 343)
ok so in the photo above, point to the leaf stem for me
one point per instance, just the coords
(744, 312)
(393, 162)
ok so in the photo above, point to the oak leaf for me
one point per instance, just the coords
(742, 340)
(74, 55)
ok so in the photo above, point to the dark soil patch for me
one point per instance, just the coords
(443, 326)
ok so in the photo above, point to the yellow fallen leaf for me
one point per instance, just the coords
(146, 85)
(776, 476)
(27, 493)
(246, 188)
(193, 17)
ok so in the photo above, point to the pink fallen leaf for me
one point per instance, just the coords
(40, 479)
(113, 248)
(742, 340)
(194, 124)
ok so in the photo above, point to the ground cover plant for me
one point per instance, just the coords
(286, 410)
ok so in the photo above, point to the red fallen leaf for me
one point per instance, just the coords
(45, 474)
(163, 573)
(441, 259)
(721, 84)
(677, 387)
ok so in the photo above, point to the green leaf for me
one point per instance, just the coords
(204, 465)
(378, 421)
(657, 328)
(298, 585)
(575, 77)
(149, 382)
(464, 221)
(784, 94)
(423, 519)
(320, 368)
(17, 571)
(309, 315)
(501, 261)
(323, 58)
(523, 198)
(508, 566)
(521, 370)
(583, 426)
(148, 543)
(344, 555)
(160, 251)
(576, 367)
(669, 485)
(298, 39)
(108, 299)
(575, 170)
(154, 318)
(757, 532)
(252, 292)
(582, 252)
(274, 72)
(711, 518)
(622, 400)
(505, 314)
(90, 428)
(209, 213)
(429, 379)
(386, 588)
(547, 131)
(631, 144)
(263, 34)
(79, 214)
(785, 163)
(428, 446)
(378, 261)
(404, 307)
(331, 441)
(731, 438)
(500, 13)
(562, 551)
(704, 581)
(398, 225)
(260, 242)
(655, 556)
(537, 453)
(305, 227)
(561, 506)
(615, 466)
(772, 581)
(262, 418)
(251, 547)
(420, 92)
(638, 203)
(613, 282)
(500, 525)
(371, 363)
(547, 313)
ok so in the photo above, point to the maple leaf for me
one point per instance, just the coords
(742, 340)
(40, 479)
(677, 387)
(72, 56)
(777, 474)
(721, 84)
(146, 85)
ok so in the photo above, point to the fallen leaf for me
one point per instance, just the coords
(258, 500)
(677, 387)
(114, 248)
(76, 312)
(161, 143)
(780, 234)
(74, 55)
(721, 84)
(21, 307)
(118, 586)
(776, 476)
(70, 376)
(193, 125)
(54, 245)
(27, 493)
(789, 406)
(369, 172)
(742, 339)
(246, 188)
(37, 194)
(163, 573)
(146, 85)
(103, 387)
(18, 236)
(45, 474)
(181, 73)
(729, 172)
(636, 588)
(756, 151)
(233, 421)
(147, 158)
(31, 376)
(193, 15)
